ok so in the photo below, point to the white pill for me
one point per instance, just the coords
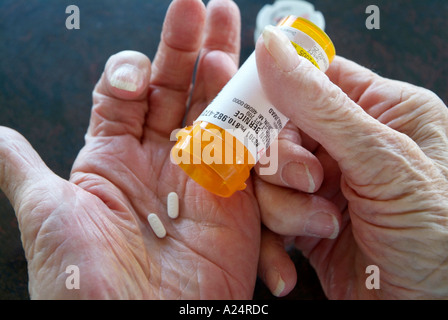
(173, 205)
(157, 225)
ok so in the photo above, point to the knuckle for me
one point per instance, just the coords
(319, 92)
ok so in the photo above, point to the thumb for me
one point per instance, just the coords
(318, 107)
(22, 171)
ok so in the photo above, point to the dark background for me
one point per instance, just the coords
(47, 74)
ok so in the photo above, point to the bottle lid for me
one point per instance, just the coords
(218, 177)
(321, 47)
(273, 14)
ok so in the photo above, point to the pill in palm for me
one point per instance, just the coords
(173, 205)
(157, 225)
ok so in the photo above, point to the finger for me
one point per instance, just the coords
(119, 98)
(174, 63)
(223, 28)
(291, 213)
(352, 78)
(322, 110)
(275, 267)
(330, 188)
(288, 164)
(220, 54)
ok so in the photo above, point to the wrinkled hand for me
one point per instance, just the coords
(97, 219)
(381, 193)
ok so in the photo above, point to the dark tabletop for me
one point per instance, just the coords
(47, 74)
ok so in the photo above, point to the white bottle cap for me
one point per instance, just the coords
(272, 14)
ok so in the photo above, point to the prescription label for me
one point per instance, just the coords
(243, 110)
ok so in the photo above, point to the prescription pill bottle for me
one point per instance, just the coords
(236, 129)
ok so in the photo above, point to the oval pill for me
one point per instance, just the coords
(173, 205)
(157, 225)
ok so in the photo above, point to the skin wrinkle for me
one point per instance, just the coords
(400, 252)
(372, 81)
(339, 74)
(157, 93)
(181, 187)
(173, 89)
(122, 227)
(105, 120)
(216, 227)
(405, 123)
(31, 251)
(94, 184)
(47, 233)
(191, 281)
(434, 143)
(226, 278)
(22, 182)
(366, 258)
(114, 242)
(172, 40)
(34, 214)
(374, 92)
(101, 94)
(101, 117)
(41, 276)
(442, 265)
(377, 204)
(167, 85)
(402, 154)
(101, 171)
(192, 251)
(413, 285)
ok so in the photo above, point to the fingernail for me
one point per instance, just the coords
(280, 48)
(273, 277)
(126, 77)
(322, 225)
(293, 174)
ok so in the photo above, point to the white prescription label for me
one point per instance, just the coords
(243, 110)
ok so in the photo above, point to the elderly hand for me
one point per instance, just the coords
(97, 220)
(381, 193)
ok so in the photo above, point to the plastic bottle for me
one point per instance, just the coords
(236, 129)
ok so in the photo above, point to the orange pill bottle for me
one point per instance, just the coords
(234, 132)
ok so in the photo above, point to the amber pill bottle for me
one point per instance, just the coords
(236, 129)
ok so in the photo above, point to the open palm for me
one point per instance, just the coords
(97, 220)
